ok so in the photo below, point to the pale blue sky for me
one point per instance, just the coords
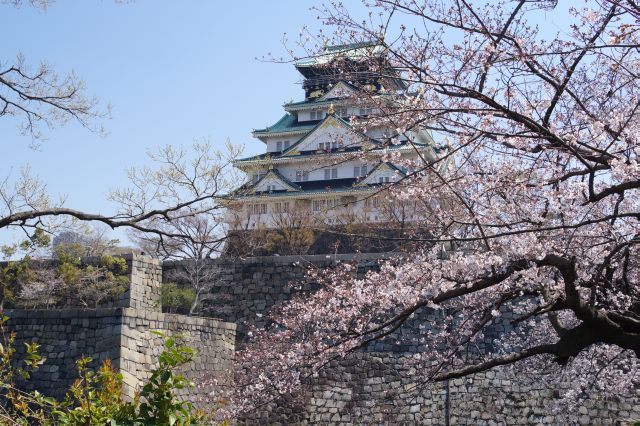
(172, 70)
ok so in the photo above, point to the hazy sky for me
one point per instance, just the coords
(172, 70)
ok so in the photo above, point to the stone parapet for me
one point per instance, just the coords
(146, 278)
(213, 340)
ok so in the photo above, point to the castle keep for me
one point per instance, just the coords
(317, 163)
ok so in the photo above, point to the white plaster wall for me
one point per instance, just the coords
(316, 168)
(272, 143)
(306, 115)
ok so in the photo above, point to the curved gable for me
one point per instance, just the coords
(340, 90)
(274, 181)
(332, 131)
(382, 173)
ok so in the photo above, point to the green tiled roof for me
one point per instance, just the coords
(309, 102)
(352, 50)
(288, 123)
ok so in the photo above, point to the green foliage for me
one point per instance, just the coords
(288, 240)
(71, 283)
(95, 398)
(69, 272)
(117, 265)
(22, 408)
(11, 277)
(38, 240)
(160, 406)
(175, 298)
(8, 251)
(69, 254)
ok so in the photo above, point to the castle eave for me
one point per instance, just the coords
(267, 160)
(321, 193)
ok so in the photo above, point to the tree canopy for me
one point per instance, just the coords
(535, 221)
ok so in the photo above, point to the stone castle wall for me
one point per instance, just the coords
(65, 336)
(122, 334)
(145, 277)
(213, 340)
(242, 291)
(375, 386)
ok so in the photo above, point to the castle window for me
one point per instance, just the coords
(287, 144)
(383, 179)
(329, 145)
(372, 202)
(282, 207)
(302, 175)
(279, 146)
(323, 205)
(331, 173)
(258, 208)
(316, 115)
(366, 111)
(360, 171)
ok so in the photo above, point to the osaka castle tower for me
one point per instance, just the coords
(319, 171)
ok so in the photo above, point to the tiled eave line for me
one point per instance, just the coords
(314, 105)
(307, 105)
(284, 160)
(301, 131)
(300, 194)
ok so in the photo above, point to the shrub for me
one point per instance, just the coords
(69, 284)
(176, 299)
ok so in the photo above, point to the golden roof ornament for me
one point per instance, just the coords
(331, 110)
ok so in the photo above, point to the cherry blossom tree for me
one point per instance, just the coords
(181, 175)
(533, 223)
(168, 200)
